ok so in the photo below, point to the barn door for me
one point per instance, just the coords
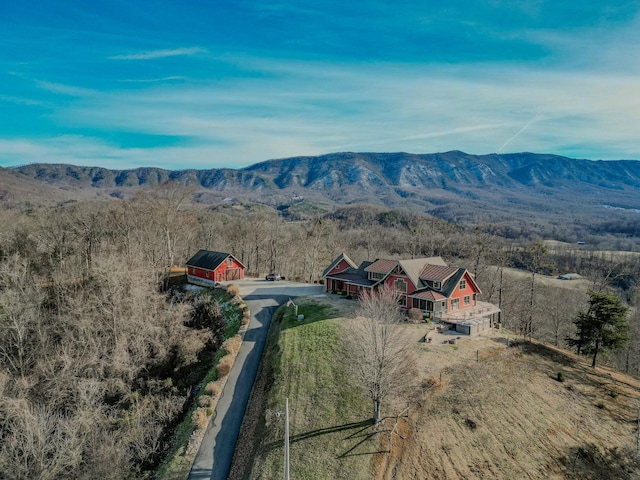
(233, 274)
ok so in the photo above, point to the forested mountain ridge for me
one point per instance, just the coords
(525, 193)
(331, 171)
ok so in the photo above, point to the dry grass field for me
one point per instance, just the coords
(496, 410)
(500, 412)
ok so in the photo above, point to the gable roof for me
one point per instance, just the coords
(413, 267)
(428, 294)
(438, 273)
(355, 276)
(452, 282)
(342, 256)
(382, 266)
(209, 260)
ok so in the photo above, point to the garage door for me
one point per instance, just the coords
(232, 274)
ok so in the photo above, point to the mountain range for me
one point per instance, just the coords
(454, 185)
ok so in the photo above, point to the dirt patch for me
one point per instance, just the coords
(500, 412)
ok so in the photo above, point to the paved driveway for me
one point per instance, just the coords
(213, 460)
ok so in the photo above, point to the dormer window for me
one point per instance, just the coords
(437, 285)
(376, 276)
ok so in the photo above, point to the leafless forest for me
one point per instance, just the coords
(95, 360)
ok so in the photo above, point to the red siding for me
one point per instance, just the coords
(341, 267)
(223, 273)
(392, 279)
(460, 294)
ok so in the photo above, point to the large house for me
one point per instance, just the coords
(207, 268)
(444, 293)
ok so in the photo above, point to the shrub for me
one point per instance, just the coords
(415, 314)
(213, 389)
(560, 377)
(600, 405)
(206, 401)
(200, 418)
(321, 281)
(233, 290)
(232, 345)
(349, 297)
(334, 291)
(224, 366)
(613, 394)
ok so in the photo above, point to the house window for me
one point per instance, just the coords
(376, 276)
(206, 274)
(400, 285)
(402, 300)
(455, 303)
(229, 262)
(463, 284)
(419, 303)
(474, 299)
(467, 300)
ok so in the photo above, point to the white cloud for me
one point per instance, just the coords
(307, 108)
(175, 52)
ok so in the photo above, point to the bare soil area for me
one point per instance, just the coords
(499, 411)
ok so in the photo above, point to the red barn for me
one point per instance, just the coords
(207, 267)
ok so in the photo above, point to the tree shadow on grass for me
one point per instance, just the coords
(363, 425)
(591, 462)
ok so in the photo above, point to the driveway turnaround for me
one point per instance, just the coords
(213, 460)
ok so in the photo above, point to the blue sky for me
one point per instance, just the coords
(204, 84)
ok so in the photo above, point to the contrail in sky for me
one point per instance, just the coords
(532, 121)
(424, 135)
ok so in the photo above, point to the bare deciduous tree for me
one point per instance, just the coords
(380, 358)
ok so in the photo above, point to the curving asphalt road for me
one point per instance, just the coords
(213, 460)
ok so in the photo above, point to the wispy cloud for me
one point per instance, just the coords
(154, 54)
(62, 89)
(155, 80)
(308, 108)
(20, 100)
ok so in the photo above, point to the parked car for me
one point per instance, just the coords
(273, 277)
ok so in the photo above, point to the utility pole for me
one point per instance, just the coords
(286, 437)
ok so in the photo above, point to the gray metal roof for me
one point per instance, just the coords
(208, 260)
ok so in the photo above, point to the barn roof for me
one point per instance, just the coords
(209, 260)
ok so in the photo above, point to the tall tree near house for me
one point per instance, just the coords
(604, 326)
(317, 240)
(381, 360)
(536, 255)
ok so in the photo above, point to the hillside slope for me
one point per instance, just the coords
(495, 410)
(506, 416)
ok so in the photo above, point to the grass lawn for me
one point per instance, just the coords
(330, 431)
